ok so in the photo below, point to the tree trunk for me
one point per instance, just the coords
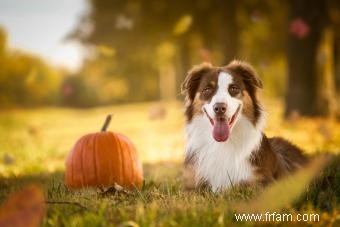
(230, 32)
(336, 52)
(167, 72)
(326, 94)
(307, 22)
(337, 70)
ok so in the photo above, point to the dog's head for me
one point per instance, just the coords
(223, 95)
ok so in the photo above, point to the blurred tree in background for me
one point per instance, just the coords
(25, 80)
(140, 50)
(155, 42)
(311, 56)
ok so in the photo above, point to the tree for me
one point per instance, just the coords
(3, 42)
(335, 25)
(137, 29)
(25, 80)
(309, 70)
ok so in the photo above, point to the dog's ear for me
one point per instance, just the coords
(192, 81)
(247, 72)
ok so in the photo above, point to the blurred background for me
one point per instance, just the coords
(85, 53)
(65, 64)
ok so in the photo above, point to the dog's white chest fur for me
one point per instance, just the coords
(222, 165)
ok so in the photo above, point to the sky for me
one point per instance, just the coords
(40, 26)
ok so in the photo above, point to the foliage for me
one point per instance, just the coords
(104, 76)
(142, 50)
(126, 37)
(25, 80)
(75, 92)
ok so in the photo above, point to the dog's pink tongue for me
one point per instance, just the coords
(221, 131)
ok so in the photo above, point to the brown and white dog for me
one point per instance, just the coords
(224, 126)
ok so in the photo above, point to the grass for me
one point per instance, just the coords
(35, 142)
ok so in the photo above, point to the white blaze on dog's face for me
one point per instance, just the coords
(224, 106)
(222, 94)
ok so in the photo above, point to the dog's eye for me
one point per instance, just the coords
(234, 90)
(207, 90)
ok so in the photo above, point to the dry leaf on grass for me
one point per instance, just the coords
(25, 208)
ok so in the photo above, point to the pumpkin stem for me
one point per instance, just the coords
(106, 123)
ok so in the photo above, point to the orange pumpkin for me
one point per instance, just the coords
(103, 159)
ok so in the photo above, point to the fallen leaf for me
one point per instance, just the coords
(25, 208)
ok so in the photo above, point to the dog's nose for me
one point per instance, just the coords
(220, 108)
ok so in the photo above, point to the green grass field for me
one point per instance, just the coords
(34, 144)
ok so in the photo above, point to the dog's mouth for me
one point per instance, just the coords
(222, 125)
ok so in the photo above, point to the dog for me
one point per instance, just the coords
(225, 120)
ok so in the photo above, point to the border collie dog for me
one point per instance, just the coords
(224, 126)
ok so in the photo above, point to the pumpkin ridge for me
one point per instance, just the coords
(75, 165)
(90, 168)
(113, 143)
(94, 158)
(121, 156)
(131, 170)
(103, 163)
(111, 169)
(85, 142)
